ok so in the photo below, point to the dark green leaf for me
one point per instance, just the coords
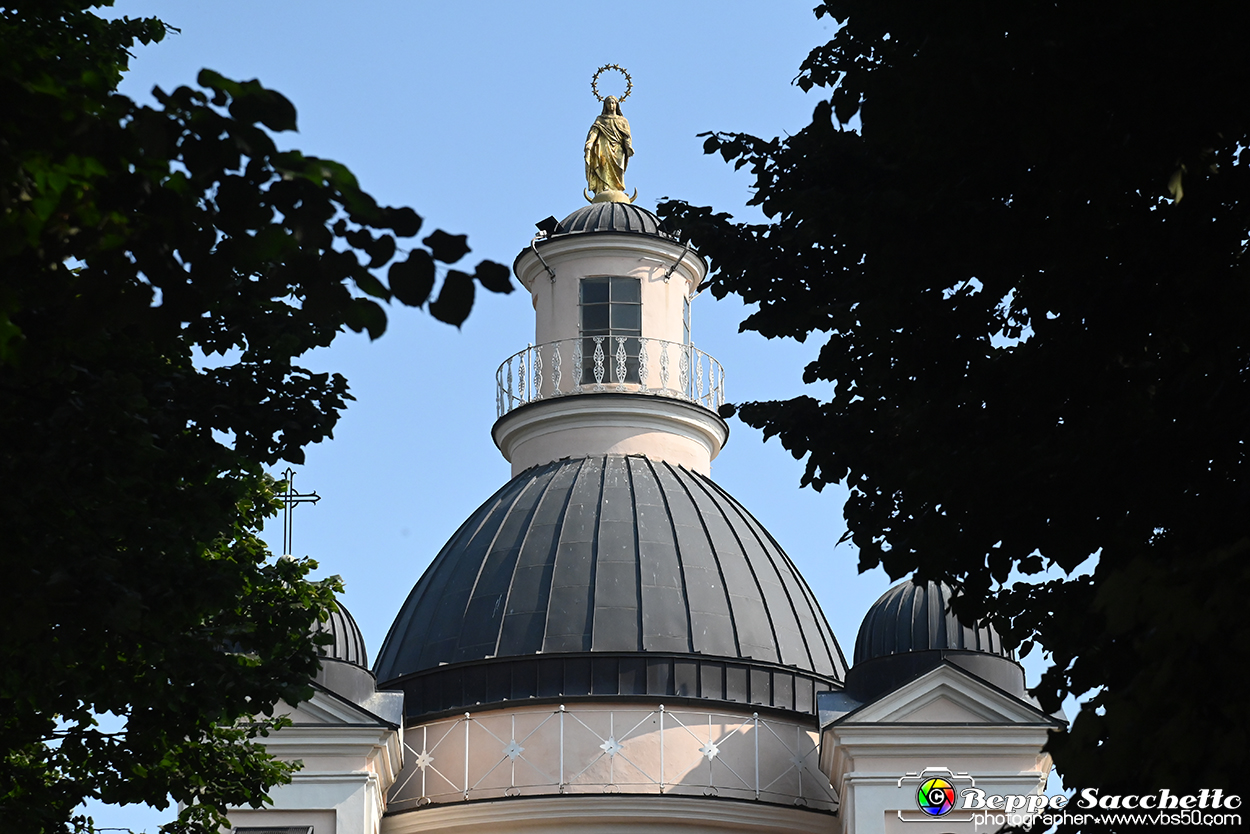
(369, 284)
(411, 280)
(217, 81)
(381, 251)
(845, 103)
(365, 314)
(455, 298)
(494, 277)
(446, 248)
(403, 221)
(251, 103)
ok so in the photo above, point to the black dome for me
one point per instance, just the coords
(910, 632)
(613, 556)
(915, 618)
(612, 217)
(349, 643)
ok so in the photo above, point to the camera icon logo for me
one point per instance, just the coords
(936, 790)
(936, 796)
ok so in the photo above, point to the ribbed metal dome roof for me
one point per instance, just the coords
(914, 618)
(349, 643)
(612, 217)
(610, 554)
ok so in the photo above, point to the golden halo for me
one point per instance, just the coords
(594, 81)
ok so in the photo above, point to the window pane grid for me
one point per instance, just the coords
(610, 308)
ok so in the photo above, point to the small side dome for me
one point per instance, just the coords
(613, 217)
(910, 631)
(349, 643)
(914, 618)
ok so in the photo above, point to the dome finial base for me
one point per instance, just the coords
(609, 196)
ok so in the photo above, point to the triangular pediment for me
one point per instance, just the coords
(948, 695)
(326, 708)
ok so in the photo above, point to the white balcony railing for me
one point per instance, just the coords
(595, 364)
(587, 750)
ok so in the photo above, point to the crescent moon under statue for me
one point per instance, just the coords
(589, 199)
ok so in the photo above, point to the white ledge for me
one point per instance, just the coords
(611, 423)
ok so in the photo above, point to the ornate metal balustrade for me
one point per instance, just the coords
(541, 751)
(593, 364)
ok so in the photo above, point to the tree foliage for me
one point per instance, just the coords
(162, 269)
(1028, 269)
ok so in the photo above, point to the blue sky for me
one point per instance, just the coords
(475, 115)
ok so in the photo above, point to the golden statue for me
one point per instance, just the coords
(609, 147)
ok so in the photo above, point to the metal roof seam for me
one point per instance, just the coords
(669, 479)
(752, 526)
(529, 528)
(759, 587)
(585, 471)
(678, 472)
(568, 497)
(633, 512)
(910, 618)
(685, 593)
(413, 603)
(589, 634)
(528, 486)
(349, 643)
(813, 606)
(939, 622)
(611, 217)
